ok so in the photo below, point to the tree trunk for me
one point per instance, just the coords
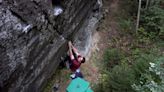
(147, 3)
(138, 15)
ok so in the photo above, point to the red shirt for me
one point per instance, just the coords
(75, 65)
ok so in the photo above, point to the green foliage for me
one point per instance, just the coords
(130, 8)
(126, 25)
(131, 78)
(139, 67)
(112, 57)
(152, 21)
(128, 14)
(152, 80)
(146, 70)
(121, 78)
(118, 80)
(143, 36)
(160, 43)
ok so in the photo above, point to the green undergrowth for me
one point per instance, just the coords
(139, 66)
(132, 72)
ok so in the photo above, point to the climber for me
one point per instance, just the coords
(73, 59)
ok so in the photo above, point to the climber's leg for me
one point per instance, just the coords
(77, 74)
(65, 61)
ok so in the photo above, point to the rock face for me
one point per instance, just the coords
(32, 39)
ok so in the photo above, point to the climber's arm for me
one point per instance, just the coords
(75, 50)
(70, 51)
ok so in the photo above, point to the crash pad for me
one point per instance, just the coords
(78, 85)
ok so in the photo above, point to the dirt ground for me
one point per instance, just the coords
(102, 39)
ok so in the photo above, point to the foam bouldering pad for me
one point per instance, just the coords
(78, 85)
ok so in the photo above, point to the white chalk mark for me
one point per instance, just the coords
(27, 28)
(0, 1)
(57, 10)
(99, 3)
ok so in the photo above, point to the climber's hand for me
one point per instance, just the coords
(69, 44)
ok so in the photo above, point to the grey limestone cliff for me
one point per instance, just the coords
(32, 39)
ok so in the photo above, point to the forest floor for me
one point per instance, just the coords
(103, 37)
(106, 31)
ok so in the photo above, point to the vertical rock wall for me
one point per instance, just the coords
(29, 57)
